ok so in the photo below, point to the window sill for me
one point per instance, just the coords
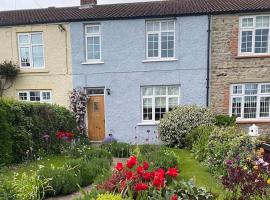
(252, 56)
(93, 63)
(160, 60)
(252, 121)
(148, 124)
(27, 71)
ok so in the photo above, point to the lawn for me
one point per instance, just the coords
(192, 169)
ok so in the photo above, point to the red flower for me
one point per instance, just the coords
(159, 179)
(145, 165)
(174, 197)
(172, 172)
(140, 170)
(129, 175)
(140, 187)
(119, 166)
(131, 162)
(148, 176)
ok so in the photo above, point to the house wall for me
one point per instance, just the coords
(228, 68)
(57, 73)
(124, 70)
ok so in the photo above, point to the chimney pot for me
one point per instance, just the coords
(88, 2)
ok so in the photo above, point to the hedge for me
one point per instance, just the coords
(29, 123)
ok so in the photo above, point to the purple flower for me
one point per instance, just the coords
(229, 162)
(148, 131)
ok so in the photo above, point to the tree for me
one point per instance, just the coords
(8, 72)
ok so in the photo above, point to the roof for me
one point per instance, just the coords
(152, 9)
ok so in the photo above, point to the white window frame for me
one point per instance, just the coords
(86, 46)
(159, 39)
(41, 96)
(242, 96)
(253, 29)
(30, 46)
(153, 100)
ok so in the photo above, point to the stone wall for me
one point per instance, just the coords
(229, 68)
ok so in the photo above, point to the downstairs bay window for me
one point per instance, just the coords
(250, 101)
(157, 100)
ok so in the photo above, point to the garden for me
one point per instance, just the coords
(45, 153)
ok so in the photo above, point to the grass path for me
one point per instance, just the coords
(191, 168)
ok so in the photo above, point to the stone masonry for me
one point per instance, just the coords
(228, 68)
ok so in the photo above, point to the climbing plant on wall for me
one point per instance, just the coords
(78, 103)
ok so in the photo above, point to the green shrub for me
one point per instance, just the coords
(161, 159)
(5, 142)
(7, 190)
(198, 140)
(225, 120)
(90, 154)
(109, 196)
(178, 123)
(147, 148)
(119, 150)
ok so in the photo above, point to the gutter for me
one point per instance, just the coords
(208, 61)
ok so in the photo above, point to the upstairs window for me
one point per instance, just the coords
(160, 38)
(157, 100)
(251, 100)
(31, 50)
(254, 35)
(93, 43)
(44, 96)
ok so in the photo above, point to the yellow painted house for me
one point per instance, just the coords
(42, 51)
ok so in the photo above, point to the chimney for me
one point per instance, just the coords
(88, 2)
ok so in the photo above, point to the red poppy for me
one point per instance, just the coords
(140, 170)
(129, 175)
(147, 176)
(174, 197)
(172, 172)
(119, 166)
(145, 165)
(140, 187)
(158, 181)
(131, 162)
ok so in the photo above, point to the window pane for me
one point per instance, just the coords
(247, 22)
(147, 109)
(35, 96)
(237, 89)
(92, 29)
(246, 42)
(36, 38)
(147, 91)
(160, 107)
(173, 90)
(25, 56)
(23, 96)
(173, 101)
(160, 90)
(261, 41)
(46, 96)
(265, 88)
(38, 60)
(23, 39)
(153, 45)
(93, 48)
(156, 26)
(150, 26)
(264, 106)
(251, 89)
(167, 44)
(262, 21)
(250, 106)
(236, 106)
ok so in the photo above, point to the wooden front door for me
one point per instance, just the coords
(96, 118)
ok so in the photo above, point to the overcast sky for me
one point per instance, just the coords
(26, 4)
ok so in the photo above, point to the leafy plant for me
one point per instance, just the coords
(177, 124)
(120, 150)
(8, 72)
(225, 120)
(97, 153)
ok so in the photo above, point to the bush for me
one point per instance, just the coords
(29, 123)
(109, 196)
(148, 148)
(119, 150)
(97, 153)
(161, 159)
(5, 142)
(178, 123)
(225, 120)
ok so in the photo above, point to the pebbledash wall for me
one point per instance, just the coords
(230, 68)
(56, 74)
(124, 72)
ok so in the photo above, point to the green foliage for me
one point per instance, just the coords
(178, 123)
(198, 140)
(5, 142)
(9, 70)
(161, 159)
(225, 120)
(147, 148)
(118, 149)
(97, 153)
(29, 122)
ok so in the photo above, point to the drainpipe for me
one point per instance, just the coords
(208, 61)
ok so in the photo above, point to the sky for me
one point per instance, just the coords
(29, 4)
